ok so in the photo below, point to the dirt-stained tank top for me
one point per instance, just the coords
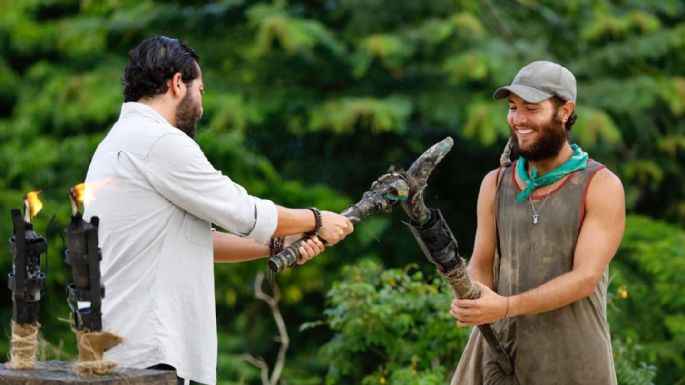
(567, 346)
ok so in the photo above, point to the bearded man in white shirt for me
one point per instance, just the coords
(156, 196)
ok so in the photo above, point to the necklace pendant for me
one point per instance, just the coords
(535, 219)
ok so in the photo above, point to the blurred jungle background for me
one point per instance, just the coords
(307, 102)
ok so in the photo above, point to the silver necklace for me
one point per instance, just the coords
(536, 215)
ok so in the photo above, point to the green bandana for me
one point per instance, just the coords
(577, 162)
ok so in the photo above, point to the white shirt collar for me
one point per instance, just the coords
(141, 109)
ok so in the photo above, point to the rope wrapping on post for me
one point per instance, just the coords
(91, 347)
(23, 346)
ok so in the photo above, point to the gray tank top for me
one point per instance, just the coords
(570, 345)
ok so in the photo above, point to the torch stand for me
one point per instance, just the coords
(27, 283)
(62, 373)
(85, 297)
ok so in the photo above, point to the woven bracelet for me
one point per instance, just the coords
(317, 220)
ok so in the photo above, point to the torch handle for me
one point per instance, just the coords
(288, 256)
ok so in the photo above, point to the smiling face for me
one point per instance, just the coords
(537, 128)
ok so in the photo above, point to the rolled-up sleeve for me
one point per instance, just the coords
(178, 169)
(266, 220)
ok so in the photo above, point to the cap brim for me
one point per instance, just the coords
(527, 93)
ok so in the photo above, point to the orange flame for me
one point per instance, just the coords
(35, 205)
(78, 192)
(85, 192)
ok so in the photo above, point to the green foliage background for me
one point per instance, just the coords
(308, 101)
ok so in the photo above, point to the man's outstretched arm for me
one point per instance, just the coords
(334, 227)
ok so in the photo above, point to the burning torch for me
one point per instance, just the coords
(27, 283)
(83, 255)
(86, 292)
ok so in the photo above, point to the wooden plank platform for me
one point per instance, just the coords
(60, 373)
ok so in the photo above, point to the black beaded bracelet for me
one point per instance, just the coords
(317, 220)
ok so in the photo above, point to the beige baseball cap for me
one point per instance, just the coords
(539, 81)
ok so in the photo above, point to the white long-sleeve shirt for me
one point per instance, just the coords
(156, 195)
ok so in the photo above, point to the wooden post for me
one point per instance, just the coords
(62, 373)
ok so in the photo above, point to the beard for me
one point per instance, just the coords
(553, 135)
(188, 113)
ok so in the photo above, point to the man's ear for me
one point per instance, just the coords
(177, 86)
(565, 110)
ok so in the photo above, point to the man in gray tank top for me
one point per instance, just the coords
(548, 225)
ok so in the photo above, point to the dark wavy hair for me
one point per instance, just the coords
(558, 102)
(153, 62)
